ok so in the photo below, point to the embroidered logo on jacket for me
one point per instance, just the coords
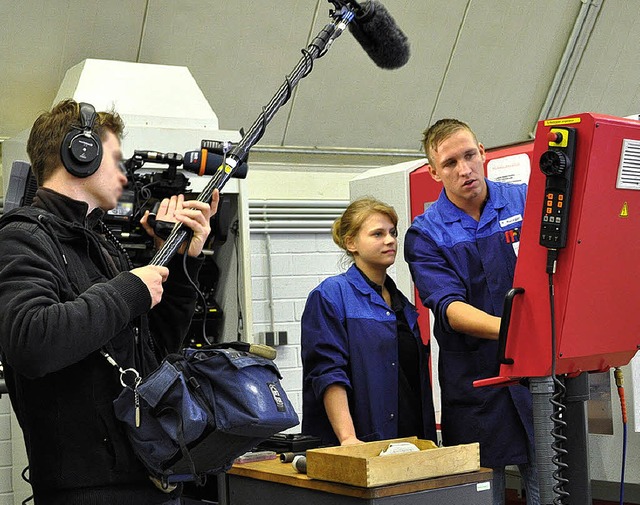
(512, 236)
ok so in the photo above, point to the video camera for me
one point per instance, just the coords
(148, 186)
(153, 176)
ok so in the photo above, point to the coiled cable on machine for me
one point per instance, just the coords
(557, 417)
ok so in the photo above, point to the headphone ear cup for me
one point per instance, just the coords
(81, 149)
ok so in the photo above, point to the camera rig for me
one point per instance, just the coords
(153, 176)
(149, 185)
(144, 191)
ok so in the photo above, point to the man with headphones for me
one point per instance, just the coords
(68, 292)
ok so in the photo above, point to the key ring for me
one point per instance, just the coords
(136, 378)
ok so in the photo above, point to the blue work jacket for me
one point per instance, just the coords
(453, 257)
(349, 337)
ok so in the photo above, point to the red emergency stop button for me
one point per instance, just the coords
(554, 137)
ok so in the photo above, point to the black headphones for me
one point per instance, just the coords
(81, 149)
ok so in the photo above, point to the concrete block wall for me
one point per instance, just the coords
(284, 269)
(6, 459)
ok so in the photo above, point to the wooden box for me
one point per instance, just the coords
(361, 465)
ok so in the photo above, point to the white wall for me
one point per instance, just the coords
(6, 485)
(605, 451)
(299, 262)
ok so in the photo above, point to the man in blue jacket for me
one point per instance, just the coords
(462, 253)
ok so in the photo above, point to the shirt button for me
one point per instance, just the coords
(388, 313)
(393, 363)
(391, 416)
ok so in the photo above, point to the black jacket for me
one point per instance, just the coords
(65, 293)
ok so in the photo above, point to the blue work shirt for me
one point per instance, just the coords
(453, 257)
(350, 338)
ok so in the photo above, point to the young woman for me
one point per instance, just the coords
(365, 368)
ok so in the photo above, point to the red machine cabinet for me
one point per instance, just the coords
(596, 280)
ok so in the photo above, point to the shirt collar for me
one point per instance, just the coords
(389, 284)
(450, 213)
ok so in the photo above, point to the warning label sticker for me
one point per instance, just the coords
(566, 120)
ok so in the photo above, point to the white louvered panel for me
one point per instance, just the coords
(294, 216)
(629, 169)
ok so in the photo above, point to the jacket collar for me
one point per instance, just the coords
(67, 209)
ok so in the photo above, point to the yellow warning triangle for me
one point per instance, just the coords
(625, 210)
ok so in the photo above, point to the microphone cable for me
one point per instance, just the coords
(26, 477)
(200, 294)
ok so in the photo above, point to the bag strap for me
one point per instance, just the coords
(194, 387)
(200, 480)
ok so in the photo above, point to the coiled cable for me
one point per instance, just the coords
(557, 417)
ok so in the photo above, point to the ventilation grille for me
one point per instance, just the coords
(629, 170)
(294, 216)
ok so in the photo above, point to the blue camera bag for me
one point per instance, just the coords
(202, 409)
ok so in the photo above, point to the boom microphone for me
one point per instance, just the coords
(207, 163)
(379, 35)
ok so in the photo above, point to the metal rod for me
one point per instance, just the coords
(239, 152)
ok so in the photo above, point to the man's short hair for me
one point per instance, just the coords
(49, 130)
(440, 131)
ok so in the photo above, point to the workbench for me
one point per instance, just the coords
(275, 482)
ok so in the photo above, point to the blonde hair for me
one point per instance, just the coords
(440, 131)
(348, 225)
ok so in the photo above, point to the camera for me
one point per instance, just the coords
(153, 176)
(148, 187)
(144, 191)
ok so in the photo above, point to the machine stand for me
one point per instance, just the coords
(542, 389)
(577, 444)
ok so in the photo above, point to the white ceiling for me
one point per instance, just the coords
(493, 63)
